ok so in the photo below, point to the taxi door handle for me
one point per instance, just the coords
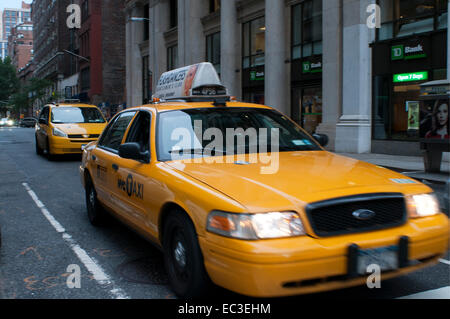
(115, 167)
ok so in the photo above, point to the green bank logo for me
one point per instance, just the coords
(306, 67)
(407, 52)
(256, 76)
(312, 67)
(397, 52)
(408, 77)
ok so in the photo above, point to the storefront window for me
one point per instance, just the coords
(253, 40)
(401, 18)
(381, 107)
(307, 107)
(396, 112)
(307, 29)
(311, 108)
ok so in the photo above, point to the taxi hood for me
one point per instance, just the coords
(302, 177)
(81, 128)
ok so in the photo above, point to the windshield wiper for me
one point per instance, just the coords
(196, 150)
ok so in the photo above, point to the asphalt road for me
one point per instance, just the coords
(45, 230)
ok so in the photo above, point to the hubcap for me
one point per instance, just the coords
(92, 197)
(180, 254)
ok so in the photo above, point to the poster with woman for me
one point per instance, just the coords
(434, 119)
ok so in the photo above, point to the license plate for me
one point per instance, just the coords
(385, 257)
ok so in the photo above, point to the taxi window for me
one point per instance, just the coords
(70, 115)
(114, 135)
(195, 122)
(44, 114)
(140, 131)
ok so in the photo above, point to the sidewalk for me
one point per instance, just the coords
(409, 165)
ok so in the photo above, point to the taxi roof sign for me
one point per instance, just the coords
(197, 80)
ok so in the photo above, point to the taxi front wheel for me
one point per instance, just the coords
(183, 257)
(95, 212)
(38, 148)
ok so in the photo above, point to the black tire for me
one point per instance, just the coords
(50, 156)
(38, 149)
(95, 211)
(183, 258)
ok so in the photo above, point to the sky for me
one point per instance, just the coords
(12, 3)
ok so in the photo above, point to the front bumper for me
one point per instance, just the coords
(62, 145)
(281, 267)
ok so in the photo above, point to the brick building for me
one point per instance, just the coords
(102, 42)
(12, 17)
(20, 44)
(52, 38)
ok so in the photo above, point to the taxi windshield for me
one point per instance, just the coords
(71, 115)
(226, 131)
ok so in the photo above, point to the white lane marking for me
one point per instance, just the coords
(441, 293)
(444, 261)
(90, 263)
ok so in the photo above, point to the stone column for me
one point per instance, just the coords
(332, 69)
(159, 16)
(275, 73)
(353, 132)
(191, 40)
(137, 35)
(230, 48)
(128, 56)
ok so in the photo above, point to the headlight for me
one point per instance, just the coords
(422, 205)
(58, 132)
(255, 226)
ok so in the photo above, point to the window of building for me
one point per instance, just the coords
(146, 23)
(401, 18)
(173, 13)
(214, 5)
(85, 79)
(172, 57)
(306, 29)
(253, 39)
(85, 10)
(213, 50)
(146, 84)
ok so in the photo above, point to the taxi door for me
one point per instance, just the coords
(134, 183)
(105, 158)
(42, 127)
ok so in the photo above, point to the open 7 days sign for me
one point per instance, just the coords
(408, 77)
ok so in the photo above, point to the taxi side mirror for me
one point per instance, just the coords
(321, 138)
(132, 151)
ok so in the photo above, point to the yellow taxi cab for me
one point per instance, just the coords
(65, 128)
(271, 214)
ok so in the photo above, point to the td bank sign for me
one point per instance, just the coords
(407, 52)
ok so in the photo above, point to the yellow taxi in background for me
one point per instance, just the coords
(64, 128)
(298, 219)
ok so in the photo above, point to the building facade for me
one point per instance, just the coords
(102, 46)
(322, 62)
(51, 37)
(20, 44)
(9, 18)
